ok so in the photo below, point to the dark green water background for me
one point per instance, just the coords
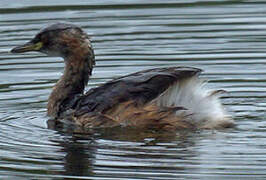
(225, 38)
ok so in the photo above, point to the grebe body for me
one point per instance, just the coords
(161, 98)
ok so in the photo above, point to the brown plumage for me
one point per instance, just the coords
(160, 98)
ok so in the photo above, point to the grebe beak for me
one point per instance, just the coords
(27, 47)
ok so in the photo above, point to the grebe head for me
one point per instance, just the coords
(73, 44)
(59, 39)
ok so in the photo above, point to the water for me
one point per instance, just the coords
(225, 38)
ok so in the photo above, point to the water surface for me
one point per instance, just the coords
(225, 38)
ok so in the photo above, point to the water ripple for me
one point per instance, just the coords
(225, 38)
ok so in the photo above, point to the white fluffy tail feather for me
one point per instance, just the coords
(204, 104)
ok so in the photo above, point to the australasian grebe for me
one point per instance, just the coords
(161, 98)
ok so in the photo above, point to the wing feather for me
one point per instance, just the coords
(140, 87)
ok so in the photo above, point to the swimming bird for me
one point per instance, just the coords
(166, 98)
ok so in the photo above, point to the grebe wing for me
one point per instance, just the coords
(140, 87)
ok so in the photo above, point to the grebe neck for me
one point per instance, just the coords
(70, 86)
